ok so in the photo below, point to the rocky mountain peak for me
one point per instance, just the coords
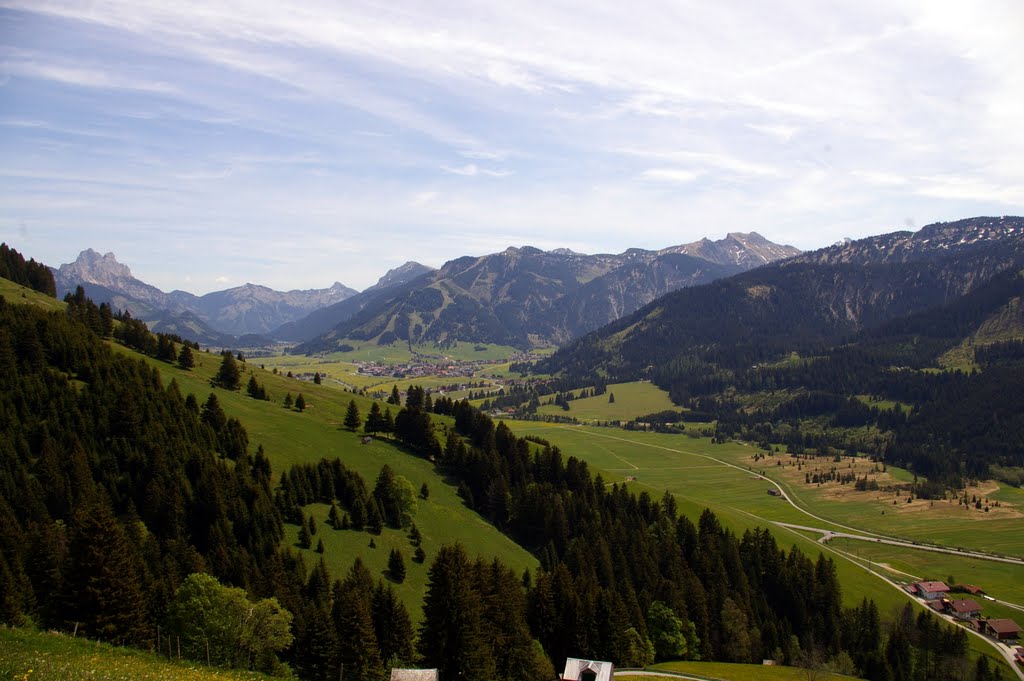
(94, 268)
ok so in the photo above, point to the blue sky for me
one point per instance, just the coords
(211, 143)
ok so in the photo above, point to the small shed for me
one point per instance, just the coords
(587, 670)
(1002, 629)
(415, 675)
(367, 439)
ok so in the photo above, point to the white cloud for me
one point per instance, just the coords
(473, 170)
(671, 175)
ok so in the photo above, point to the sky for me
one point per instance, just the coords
(209, 143)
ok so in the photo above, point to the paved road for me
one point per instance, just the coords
(827, 534)
(855, 533)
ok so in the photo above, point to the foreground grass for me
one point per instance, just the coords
(28, 655)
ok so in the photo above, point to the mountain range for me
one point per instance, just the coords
(525, 296)
(804, 304)
(211, 318)
(521, 296)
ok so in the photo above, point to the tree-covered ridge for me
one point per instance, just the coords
(114, 489)
(32, 274)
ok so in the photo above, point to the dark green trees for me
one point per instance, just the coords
(451, 636)
(229, 376)
(185, 358)
(103, 585)
(352, 419)
(300, 403)
(396, 566)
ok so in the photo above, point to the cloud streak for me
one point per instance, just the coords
(370, 128)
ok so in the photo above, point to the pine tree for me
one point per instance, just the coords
(374, 419)
(392, 625)
(611, 398)
(300, 403)
(229, 376)
(352, 419)
(103, 587)
(451, 636)
(424, 491)
(288, 401)
(316, 378)
(395, 398)
(396, 566)
(333, 519)
(185, 359)
(419, 555)
(320, 546)
(305, 540)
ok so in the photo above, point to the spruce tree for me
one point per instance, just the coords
(373, 420)
(396, 566)
(228, 376)
(103, 587)
(316, 378)
(393, 626)
(451, 636)
(352, 419)
(300, 403)
(288, 401)
(185, 359)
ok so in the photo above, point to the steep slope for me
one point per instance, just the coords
(524, 296)
(321, 321)
(803, 303)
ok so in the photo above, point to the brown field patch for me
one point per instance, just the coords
(796, 470)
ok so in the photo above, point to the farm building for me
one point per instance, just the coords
(414, 675)
(931, 590)
(1002, 629)
(1018, 655)
(587, 670)
(964, 608)
(972, 589)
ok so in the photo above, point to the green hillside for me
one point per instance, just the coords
(42, 656)
(290, 438)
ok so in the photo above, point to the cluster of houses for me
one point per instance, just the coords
(968, 610)
(420, 369)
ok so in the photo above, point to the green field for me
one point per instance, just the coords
(738, 672)
(16, 293)
(27, 655)
(290, 437)
(631, 400)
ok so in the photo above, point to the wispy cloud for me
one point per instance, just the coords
(473, 170)
(671, 175)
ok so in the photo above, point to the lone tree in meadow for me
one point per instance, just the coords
(185, 359)
(396, 566)
(611, 398)
(352, 418)
(228, 375)
(300, 403)
(316, 378)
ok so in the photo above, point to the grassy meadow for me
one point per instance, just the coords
(631, 400)
(290, 437)
(36, 656)
(16, 293)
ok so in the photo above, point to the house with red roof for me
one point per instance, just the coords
(931, 590)
(963, 608)
(1002, 629)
